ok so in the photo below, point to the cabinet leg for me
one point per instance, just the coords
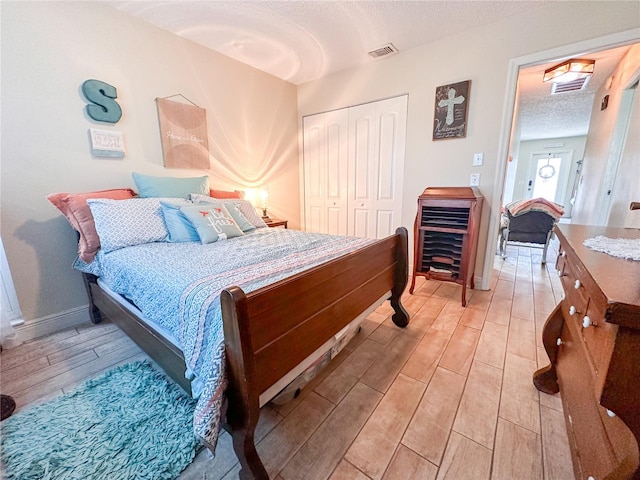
(546, 378)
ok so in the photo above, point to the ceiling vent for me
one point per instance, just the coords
(383, 51)
(564, 87)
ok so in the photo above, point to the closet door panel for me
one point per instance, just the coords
(314, 219)
(362, 153)
(385, 225)
(389, 163)
(337, 171)
(314, 144)
(325, 143)
(362, 136)
(360, 223)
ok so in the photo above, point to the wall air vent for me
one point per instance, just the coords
(579, 84)
(383, 51)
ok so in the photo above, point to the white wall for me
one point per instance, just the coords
(599, 146)
(481, 55)
(48, 50)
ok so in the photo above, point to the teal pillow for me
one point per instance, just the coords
(179, 227)
(212, 222)
(175, 187)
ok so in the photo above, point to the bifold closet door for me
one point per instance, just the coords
(325, 143)
(353, 169)
(377, 134)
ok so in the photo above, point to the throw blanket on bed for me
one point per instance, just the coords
(178, 285)
(520, 207)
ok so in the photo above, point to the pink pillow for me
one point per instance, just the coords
(74, 207)
(225, 194)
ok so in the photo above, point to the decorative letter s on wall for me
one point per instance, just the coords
(101, 94)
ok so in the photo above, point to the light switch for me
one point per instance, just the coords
(474, 180)
(478, 159)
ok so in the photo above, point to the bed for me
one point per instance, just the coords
(274, 325)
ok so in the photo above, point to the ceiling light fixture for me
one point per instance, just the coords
(569, 70)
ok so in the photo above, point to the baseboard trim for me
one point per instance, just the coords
(53, 323)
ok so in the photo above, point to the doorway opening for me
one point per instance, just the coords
(512, 132)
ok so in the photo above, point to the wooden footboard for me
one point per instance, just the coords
(270, 331)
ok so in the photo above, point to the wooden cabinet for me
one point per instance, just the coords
(446, 235)
(593, 342)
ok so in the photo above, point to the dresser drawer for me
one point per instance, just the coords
(590, 443)
(583, 306)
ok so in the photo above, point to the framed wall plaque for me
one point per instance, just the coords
(450, 112)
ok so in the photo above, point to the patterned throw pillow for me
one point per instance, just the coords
(122, 223)
(244, 206)
(213, 222)
(74, 207)
(244, 224)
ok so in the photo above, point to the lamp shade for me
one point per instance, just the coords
(569, 70)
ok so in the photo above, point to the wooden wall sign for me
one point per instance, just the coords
(183, 134)
(451, 108)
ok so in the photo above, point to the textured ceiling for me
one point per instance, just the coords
(300, 41)
(542, 115)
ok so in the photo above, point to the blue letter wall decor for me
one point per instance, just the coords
(101, 94)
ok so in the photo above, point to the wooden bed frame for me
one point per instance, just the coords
(270, 331)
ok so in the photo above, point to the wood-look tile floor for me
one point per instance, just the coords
(449, 397)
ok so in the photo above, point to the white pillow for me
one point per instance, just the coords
(244, 205)
(122, 223)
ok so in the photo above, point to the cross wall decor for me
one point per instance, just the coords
(451, 109)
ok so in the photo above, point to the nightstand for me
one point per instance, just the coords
(275, 222)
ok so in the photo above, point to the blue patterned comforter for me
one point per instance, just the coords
(178, 285)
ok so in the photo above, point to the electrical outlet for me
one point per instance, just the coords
(474, 180)
(478, 159)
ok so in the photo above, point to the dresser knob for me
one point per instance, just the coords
(572, 310)
(577, 285)
(563, 254)
(610, 413)
(559, 341)
(586, 322)
(591, 478)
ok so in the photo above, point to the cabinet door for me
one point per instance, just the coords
(377, 134)
(325, 143)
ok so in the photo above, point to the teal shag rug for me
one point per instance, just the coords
(129, 423)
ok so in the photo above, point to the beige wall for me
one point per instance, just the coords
(48, 50)
(599, 146)
(481, 55)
